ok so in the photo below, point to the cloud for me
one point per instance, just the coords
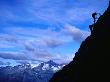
(8, 63)
(42, 53)
(13, 56)
(29, 37)
(35, 43)
(77, 34)
(32, 36)
(37, 55)
(19, 30)
(52, 43)
(23, 61)
(1, 63)
(52, 12)
(63, 59)
(29, 43)
(28, 62)
(4, 63)
(7, 37)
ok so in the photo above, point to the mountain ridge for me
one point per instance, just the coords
(25, 73)
(91, 61)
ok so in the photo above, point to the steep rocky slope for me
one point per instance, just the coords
(92, 61)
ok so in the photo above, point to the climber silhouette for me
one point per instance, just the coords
(94, 16)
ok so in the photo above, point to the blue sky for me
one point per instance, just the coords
(32, 30)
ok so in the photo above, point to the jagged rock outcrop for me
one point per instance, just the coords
(92, 61)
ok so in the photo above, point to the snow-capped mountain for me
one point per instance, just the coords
(25, 73)
(50, 65)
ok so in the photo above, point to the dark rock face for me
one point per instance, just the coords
(92, 61)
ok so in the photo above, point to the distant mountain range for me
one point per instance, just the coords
(25, 73)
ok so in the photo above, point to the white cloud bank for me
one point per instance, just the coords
(34, 44)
